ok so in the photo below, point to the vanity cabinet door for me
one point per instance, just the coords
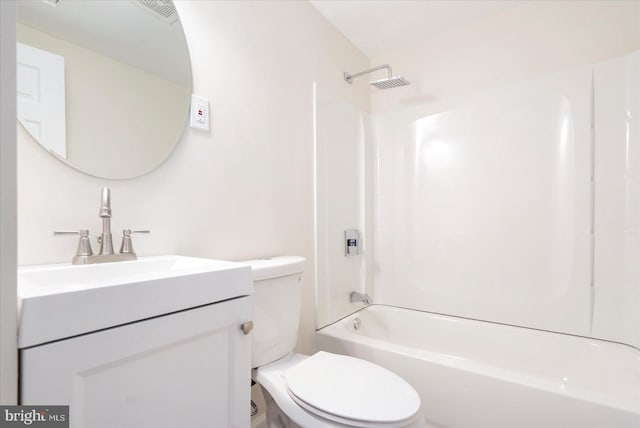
(189, 369)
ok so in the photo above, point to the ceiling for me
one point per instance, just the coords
(379, 26)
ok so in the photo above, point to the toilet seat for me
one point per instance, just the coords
(347, 390)
(313, 392)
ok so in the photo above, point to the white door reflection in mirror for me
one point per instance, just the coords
(41, 97)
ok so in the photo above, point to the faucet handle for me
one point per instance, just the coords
(131, 232)
(81, 232)
(84, 245)
(127, 247)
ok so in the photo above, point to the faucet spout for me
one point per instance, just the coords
(105, 239)
(105, 203)
(355, 297)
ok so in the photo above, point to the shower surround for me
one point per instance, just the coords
(495, 224)
(520, 205)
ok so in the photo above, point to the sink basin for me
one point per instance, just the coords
(63, 300)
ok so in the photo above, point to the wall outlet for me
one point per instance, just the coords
(199, 115)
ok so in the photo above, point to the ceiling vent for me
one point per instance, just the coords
(163, 9)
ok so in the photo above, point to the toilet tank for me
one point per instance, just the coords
(276, 307)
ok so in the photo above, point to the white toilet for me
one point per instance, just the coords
(322, 390)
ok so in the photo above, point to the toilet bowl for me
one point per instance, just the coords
(324, 389)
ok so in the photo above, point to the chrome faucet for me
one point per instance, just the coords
(355, 297)
(84, 255)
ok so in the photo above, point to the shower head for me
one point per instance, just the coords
(390, 82)
(386, 83)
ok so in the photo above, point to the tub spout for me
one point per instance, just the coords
(355, 297)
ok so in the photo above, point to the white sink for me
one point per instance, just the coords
(62, 300)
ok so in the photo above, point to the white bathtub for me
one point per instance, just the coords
(479, 374)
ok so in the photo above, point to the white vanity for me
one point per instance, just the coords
(154, 342)
(160, 341)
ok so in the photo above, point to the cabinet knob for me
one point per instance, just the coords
(246, 327)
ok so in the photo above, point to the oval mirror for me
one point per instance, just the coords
(104, 86)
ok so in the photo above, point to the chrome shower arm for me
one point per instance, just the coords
(349, 77)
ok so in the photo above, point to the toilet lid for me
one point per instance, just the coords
(351, 388)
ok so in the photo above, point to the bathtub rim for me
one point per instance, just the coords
(318, 329)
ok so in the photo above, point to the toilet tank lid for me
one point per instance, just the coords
(274, 267)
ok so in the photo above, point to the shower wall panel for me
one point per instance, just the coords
(617, 207)
(483, 205)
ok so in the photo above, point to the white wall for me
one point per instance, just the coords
(243, 190)
(8, 301)
(522, 42)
